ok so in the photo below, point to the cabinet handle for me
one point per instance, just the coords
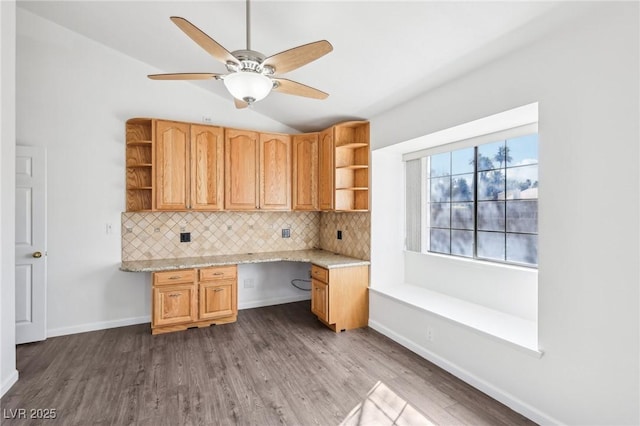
(218, 273)
(174, 295)
(175, 277)
(218, 289)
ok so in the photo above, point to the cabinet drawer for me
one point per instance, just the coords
(174, 277)
(218, 273)
(320, 273)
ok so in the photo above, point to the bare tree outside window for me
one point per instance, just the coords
(483, 201)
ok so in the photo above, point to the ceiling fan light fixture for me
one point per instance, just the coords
(248, 86)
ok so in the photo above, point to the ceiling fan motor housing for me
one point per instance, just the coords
(251, 61)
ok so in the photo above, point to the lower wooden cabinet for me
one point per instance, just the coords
(194, 298)
(320, 299)
(217, 292)
(174, 304)
(339, 296)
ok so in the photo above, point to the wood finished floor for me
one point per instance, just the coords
(276, 365)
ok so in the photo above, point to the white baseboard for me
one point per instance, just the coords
(101, 325)
(464, 375)
(274, 301)
(8, 382)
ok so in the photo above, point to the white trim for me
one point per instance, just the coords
(94, 326)
(9, 382)
(466, 376)
(103, 325)
(513, 132)
(274, 301)
(508, 329)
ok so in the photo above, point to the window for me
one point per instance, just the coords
(478, 201)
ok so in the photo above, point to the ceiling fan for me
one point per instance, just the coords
(252, 75)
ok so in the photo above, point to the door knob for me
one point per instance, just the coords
(37, 254)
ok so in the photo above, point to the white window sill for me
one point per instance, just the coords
(516, 331)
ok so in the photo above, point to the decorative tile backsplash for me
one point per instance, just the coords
(156, 235)
(356, 233)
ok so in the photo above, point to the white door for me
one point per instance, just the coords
(31, 250)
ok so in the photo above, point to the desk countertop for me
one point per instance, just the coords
(320, 258)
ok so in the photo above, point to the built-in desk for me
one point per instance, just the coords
(322, 258)
(201, 291)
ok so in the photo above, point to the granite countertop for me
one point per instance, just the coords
(322, 258)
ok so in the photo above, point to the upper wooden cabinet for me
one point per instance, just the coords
(207, 168)
(275, 172)
(325, 170)
(172, 165)
(257, 171)
(189, 161)
(183, 166)
(241, 170)
(304, 181)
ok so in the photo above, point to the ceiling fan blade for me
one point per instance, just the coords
(240, 104)
(184, 76)
(293, 88)
(207, 43)
(294, 58)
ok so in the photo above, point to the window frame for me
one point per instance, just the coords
(511, 133)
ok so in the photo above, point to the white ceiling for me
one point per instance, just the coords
(385, 53)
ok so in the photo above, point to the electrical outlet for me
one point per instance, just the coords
(286, 233)
(429, 334)
(339, 236)
(185, 237)
(109, 228)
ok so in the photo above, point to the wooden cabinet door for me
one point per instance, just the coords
(174, 304)
(275, 172)
(241, 170)
(326, 170)
(305, 172)
(172, 165)
(207, 162)
(217, 299)
(320, 299)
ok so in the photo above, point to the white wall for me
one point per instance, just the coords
(272, 283)
(8, 372)
(586, 80)
(73, 97)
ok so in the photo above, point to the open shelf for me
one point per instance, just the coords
(354, 167)
(351, 164)
(139, 161)
(353, 145)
